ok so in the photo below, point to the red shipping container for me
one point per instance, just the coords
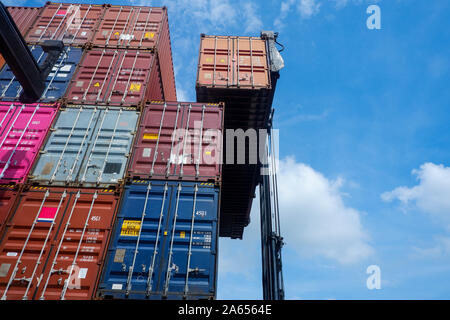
(24, 17)
(144, 28)
(168, 140)
(74, 24)
(116, 77)
(8, 194)
(55, 242)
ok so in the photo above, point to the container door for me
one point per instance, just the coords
(24, 133)
(135, 251)
(108, 151)
(66, 147)
(188, 261)
(27, 242)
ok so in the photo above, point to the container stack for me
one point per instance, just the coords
(109, 188)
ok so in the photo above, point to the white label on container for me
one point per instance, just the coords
(62, 75)
(38, 31)
(83, 33)
(117, 286)
(146, 152)
(208, 76)
(11, 254)
(82, 273)
(126, 36)
(75, 98)
(66, 68)
(79, 83)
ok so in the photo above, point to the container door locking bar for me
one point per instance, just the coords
(14, 49)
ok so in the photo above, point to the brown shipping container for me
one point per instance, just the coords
(74, 24)
(116, 77)
(24, 17)
(8, 194)
(143, 28)
(168, 140)
(54, 233)
(227, 62)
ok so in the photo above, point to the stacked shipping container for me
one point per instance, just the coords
(105, 192)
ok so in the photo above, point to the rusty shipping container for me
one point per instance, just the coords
(143, 28)
(55, 242)
(168, 140)
(235, 70)
(8, 195)
(88, 146)
(116, 77)
(74, 24)
(24, 17)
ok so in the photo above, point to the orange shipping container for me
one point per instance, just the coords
(55, 242)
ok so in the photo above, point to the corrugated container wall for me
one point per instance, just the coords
(116, 77)
(168, 140)
(24, 17)
(143, 28)
(88, 146)
(74, 24)
(57, 80)
(55, 242)
(23, 128)
(164, 243)
(235, 70)
(8, 195)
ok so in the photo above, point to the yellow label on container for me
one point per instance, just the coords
(222, 60)
(165, 233)
(116, 33)
(135, 87)
(208, 152)
(150, 136)
(182, 234)
(97, 84)
(130, 228)
(150, 35)
(209, 59)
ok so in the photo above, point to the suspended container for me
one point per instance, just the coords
(23, 128)
(167, 145)
(235, 70)
(74, 24)
(55, 242)
(56, 82)
(8, 195)
(164, 243)
(23, 17)
(143, 28)
(116, 77)
(88, 146)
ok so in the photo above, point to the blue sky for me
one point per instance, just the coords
(364, 143)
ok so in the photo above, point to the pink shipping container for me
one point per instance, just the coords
(168, 140)
(143, 28)
(116, 77)
(74, 24)
(23, 128)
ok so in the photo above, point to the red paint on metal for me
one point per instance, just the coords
(74, 24)
(115, 77)
(167, 145)
(7, 198)
(71, 237)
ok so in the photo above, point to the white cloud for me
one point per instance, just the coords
(252, 20)
(306, 9)
(315, 220)
(431, 195)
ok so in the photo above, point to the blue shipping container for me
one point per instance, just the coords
(163, 229)
(57, 80)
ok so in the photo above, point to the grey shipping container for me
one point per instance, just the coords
(88, 147)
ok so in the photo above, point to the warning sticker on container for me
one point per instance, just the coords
(130, 228)
(82, 273)
(149, 35)
(146, 152)
(61, 12)
(182, 234)
(126, 37)
(47, 214)
(150, 136)
(97, 84)
(135, 87)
